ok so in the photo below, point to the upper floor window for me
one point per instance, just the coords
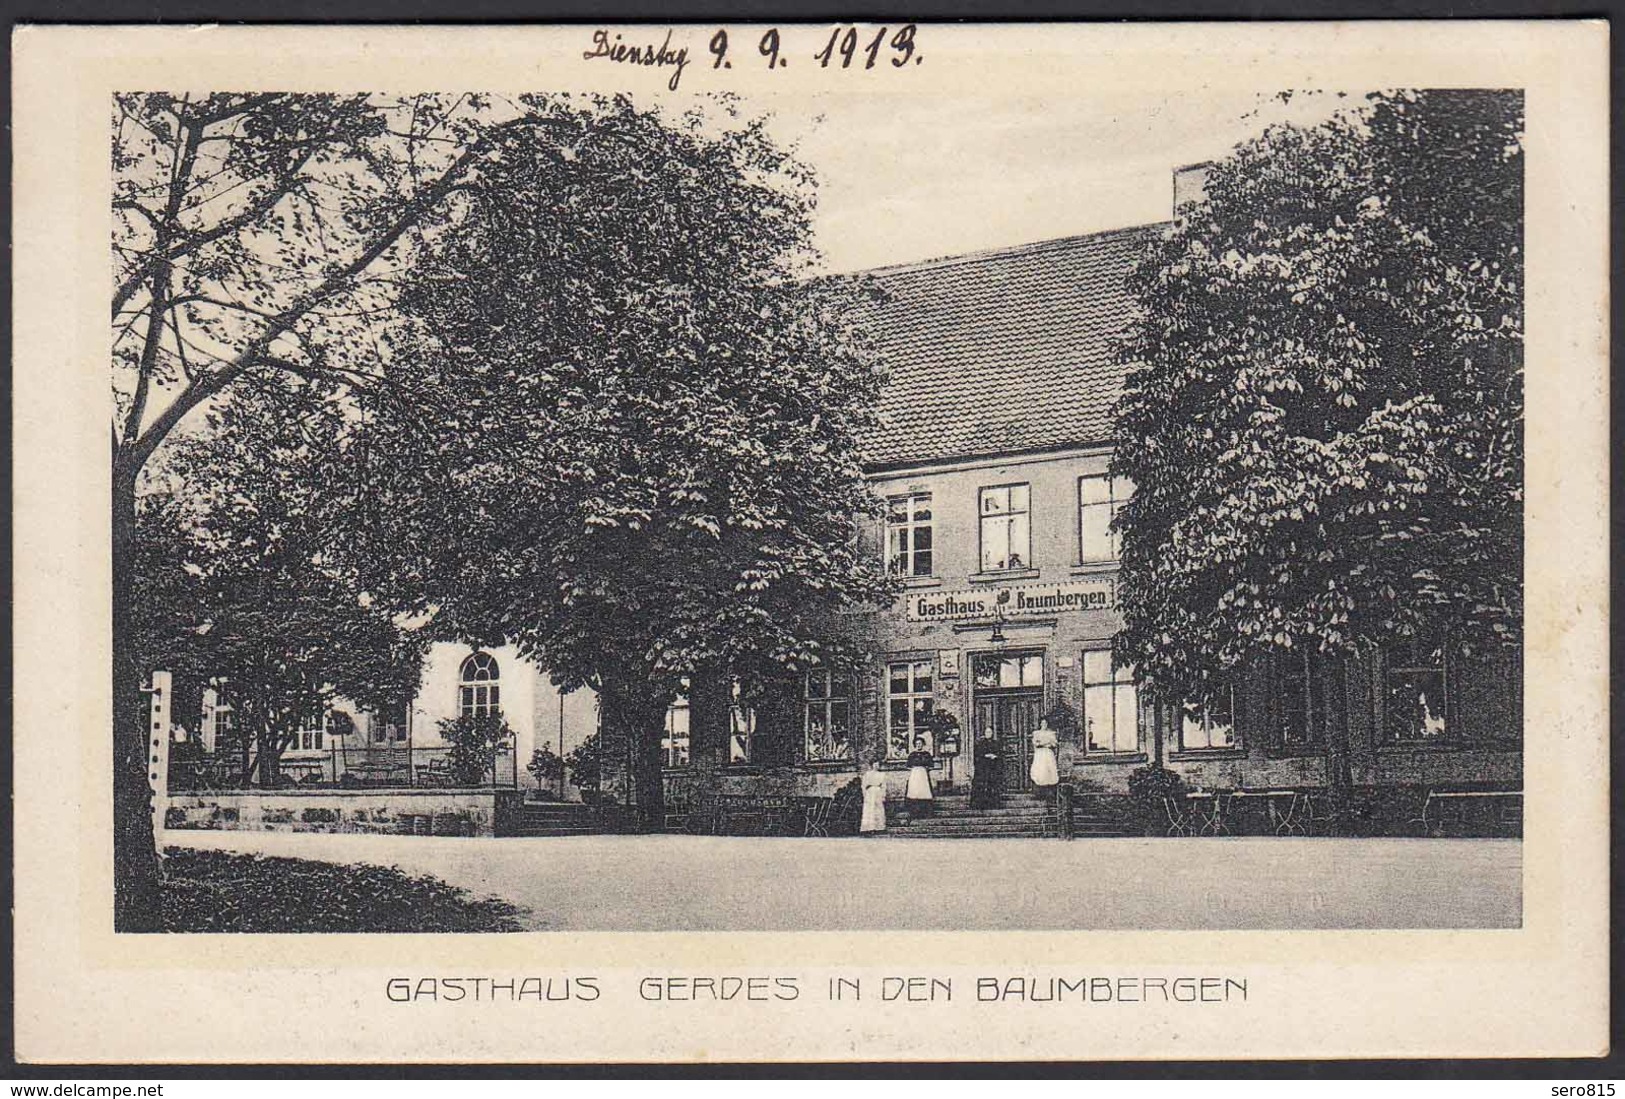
(1416, 693)
(1209, 722)
(908, 535)
(828, 709)
(1099, 498)
(909, 702)
(1111, 707)
(478, 691)
(674, 744)
(1006, 528)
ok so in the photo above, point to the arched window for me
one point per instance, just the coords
(478, 691)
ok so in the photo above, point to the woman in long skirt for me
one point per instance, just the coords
(1045, 775)
(918, 795)
(874, 801)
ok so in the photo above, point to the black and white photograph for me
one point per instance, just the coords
(637, 499)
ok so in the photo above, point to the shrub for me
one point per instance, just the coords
(1064, 720)
(586, 765)
(474, 740)
(545, 767)
(1147, 787)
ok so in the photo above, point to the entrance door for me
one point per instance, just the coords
(1012, 716)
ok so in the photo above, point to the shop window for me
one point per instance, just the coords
(1301, 691)
(1006, 528)
(908, 535)
(1417, 698)
(1209, 723)
(1099, 500)
(478, 690)
(828, 710)
(1111, 707)
(996, 670)
(908, 706)
(674, 742)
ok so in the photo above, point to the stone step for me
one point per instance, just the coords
(1002, 811)
(544, 833)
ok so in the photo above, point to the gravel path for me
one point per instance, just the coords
(683, 883)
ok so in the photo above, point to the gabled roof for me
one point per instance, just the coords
(1005, 351)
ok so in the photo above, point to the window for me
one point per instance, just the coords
(389, 724)
(313, 737)
(1209, 723)
(908, 705)
(1417, 693)
(908, 535)
(1099, 499)
(995, 670)
(1303, 700)
(674, 745)
(1111, 707)
(478, 692)
(1006, 528)
(828, 707)
(741, 728)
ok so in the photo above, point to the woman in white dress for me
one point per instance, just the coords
(874, 801)
(1044, 773)
(918, 796)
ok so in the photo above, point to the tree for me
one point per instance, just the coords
(651, 472)
(259, 236)
(243, 578)
(1324, 412)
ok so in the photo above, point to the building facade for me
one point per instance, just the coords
(993, 462)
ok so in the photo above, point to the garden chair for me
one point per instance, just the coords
(1179, 818)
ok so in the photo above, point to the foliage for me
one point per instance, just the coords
(257, 238)
(1063, 719)
(1147, 789)
(242, 574)
(940, 723)
(213, 891)
(545, 767)
(647, 459)
(585, 764)
(1324, 413)
(475, 740)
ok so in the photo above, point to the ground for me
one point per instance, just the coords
(704, 883)
(223, 891)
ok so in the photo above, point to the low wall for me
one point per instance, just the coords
(437, 812)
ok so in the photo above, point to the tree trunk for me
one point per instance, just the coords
(135, 861)
(1335, 718)
(639, 722)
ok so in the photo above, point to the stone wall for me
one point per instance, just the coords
(397, 812)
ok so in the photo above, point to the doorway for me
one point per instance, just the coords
(1008, 700)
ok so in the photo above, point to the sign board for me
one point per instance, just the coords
(1015, 600)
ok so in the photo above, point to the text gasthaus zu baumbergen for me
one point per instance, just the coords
(781, 989)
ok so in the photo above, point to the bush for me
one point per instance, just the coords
(1147, 787)
(545, 767)
(586, 765)
(474, 740)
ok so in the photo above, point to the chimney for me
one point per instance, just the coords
(1190, 185)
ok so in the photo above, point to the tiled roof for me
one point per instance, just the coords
(1004, 351)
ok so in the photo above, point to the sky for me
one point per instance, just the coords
(907, 178)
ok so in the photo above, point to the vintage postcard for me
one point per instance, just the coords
(811, 543)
